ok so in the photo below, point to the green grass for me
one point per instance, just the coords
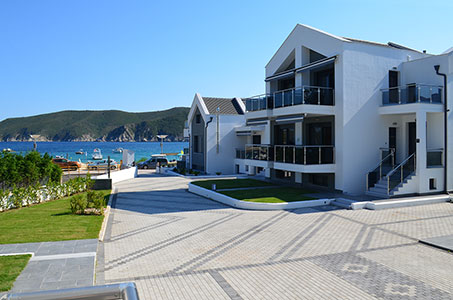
(231, 183)
(271, 195)
(48, 221)
(10, 268)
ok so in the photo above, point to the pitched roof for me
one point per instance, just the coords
(227, 106)
(389, 44)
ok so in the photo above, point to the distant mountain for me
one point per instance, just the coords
(103, 125)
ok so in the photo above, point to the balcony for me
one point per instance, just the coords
(304, 155)
(413, 93)
(296, 96)
(300, 155)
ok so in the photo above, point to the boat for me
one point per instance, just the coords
(80, 152)
(118, 150)
(97, 154)
(7, 150)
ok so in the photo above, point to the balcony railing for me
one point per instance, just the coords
(304, 155)
(434, 157)
(413, 93)
(258, 152)
(301, 155)
(295, 96)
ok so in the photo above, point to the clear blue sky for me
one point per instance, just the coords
(152, 55)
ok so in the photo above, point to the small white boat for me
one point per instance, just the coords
(97, 154)
(118, 150)
(8, 150)
(80, 152)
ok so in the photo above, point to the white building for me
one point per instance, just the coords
(351, 116)
(210, 129)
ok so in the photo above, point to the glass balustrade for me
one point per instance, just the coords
(301, 155)
(290, 97)
(414, 93)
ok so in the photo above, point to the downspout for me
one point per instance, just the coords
(206, 143)
(436, 67)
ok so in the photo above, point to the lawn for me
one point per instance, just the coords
(271, 195)
(231, 183)
(48, 221)
(10, 268)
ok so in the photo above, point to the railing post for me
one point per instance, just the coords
(388, 185)
(319, 154)
(399, 96)
(380, 171)
(402, 171)
(303, 95)
(305, 155)
(292, 97)
(418, 96)
(294, 155)
(319, 96)
(430, 94)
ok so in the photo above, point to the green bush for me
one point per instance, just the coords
(78, 204)
(25, 170)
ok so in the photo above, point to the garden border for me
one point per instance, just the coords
(255, 205)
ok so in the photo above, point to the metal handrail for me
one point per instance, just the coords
(412, 84)
(382, 160)
(401, 164)
(124, 291)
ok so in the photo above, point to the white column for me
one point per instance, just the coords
(298, 133)
(421, 150)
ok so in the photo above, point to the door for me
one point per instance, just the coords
(412, 143)
(393, 87)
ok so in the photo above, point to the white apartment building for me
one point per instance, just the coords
(349, 115)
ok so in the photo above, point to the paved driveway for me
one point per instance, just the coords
(176, 245)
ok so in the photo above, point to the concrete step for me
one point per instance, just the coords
(377, 194)
(340, 204)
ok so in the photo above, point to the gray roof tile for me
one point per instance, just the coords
(228, 106)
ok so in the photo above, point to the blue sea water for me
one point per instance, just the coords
(68, 149)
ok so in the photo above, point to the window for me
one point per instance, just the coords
(198, 119)
(195, 143)
(432, 184)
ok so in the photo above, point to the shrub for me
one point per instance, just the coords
(78, 204)
(218, 173)
(196, 173)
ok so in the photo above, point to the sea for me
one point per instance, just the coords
(68, 149)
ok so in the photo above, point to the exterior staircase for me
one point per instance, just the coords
(380, 188)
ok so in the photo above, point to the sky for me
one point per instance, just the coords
(153, 55)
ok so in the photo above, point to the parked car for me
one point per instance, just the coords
(152, 162)
(66, 164)
(103, 165)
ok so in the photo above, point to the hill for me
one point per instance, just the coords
(103, 125)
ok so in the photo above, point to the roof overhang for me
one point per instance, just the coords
(289, 119)
(248, 130)
(292, 72)
(316, 64)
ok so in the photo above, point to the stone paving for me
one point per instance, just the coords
(54, 265)
(177, 245)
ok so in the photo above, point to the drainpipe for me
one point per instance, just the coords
(436, 67)
(206, 142)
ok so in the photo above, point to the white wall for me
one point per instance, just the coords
(365, 73)
(224, 160)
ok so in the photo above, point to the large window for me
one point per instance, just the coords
(198, 119)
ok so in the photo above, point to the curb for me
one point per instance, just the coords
(255, 205)
(106, 215)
